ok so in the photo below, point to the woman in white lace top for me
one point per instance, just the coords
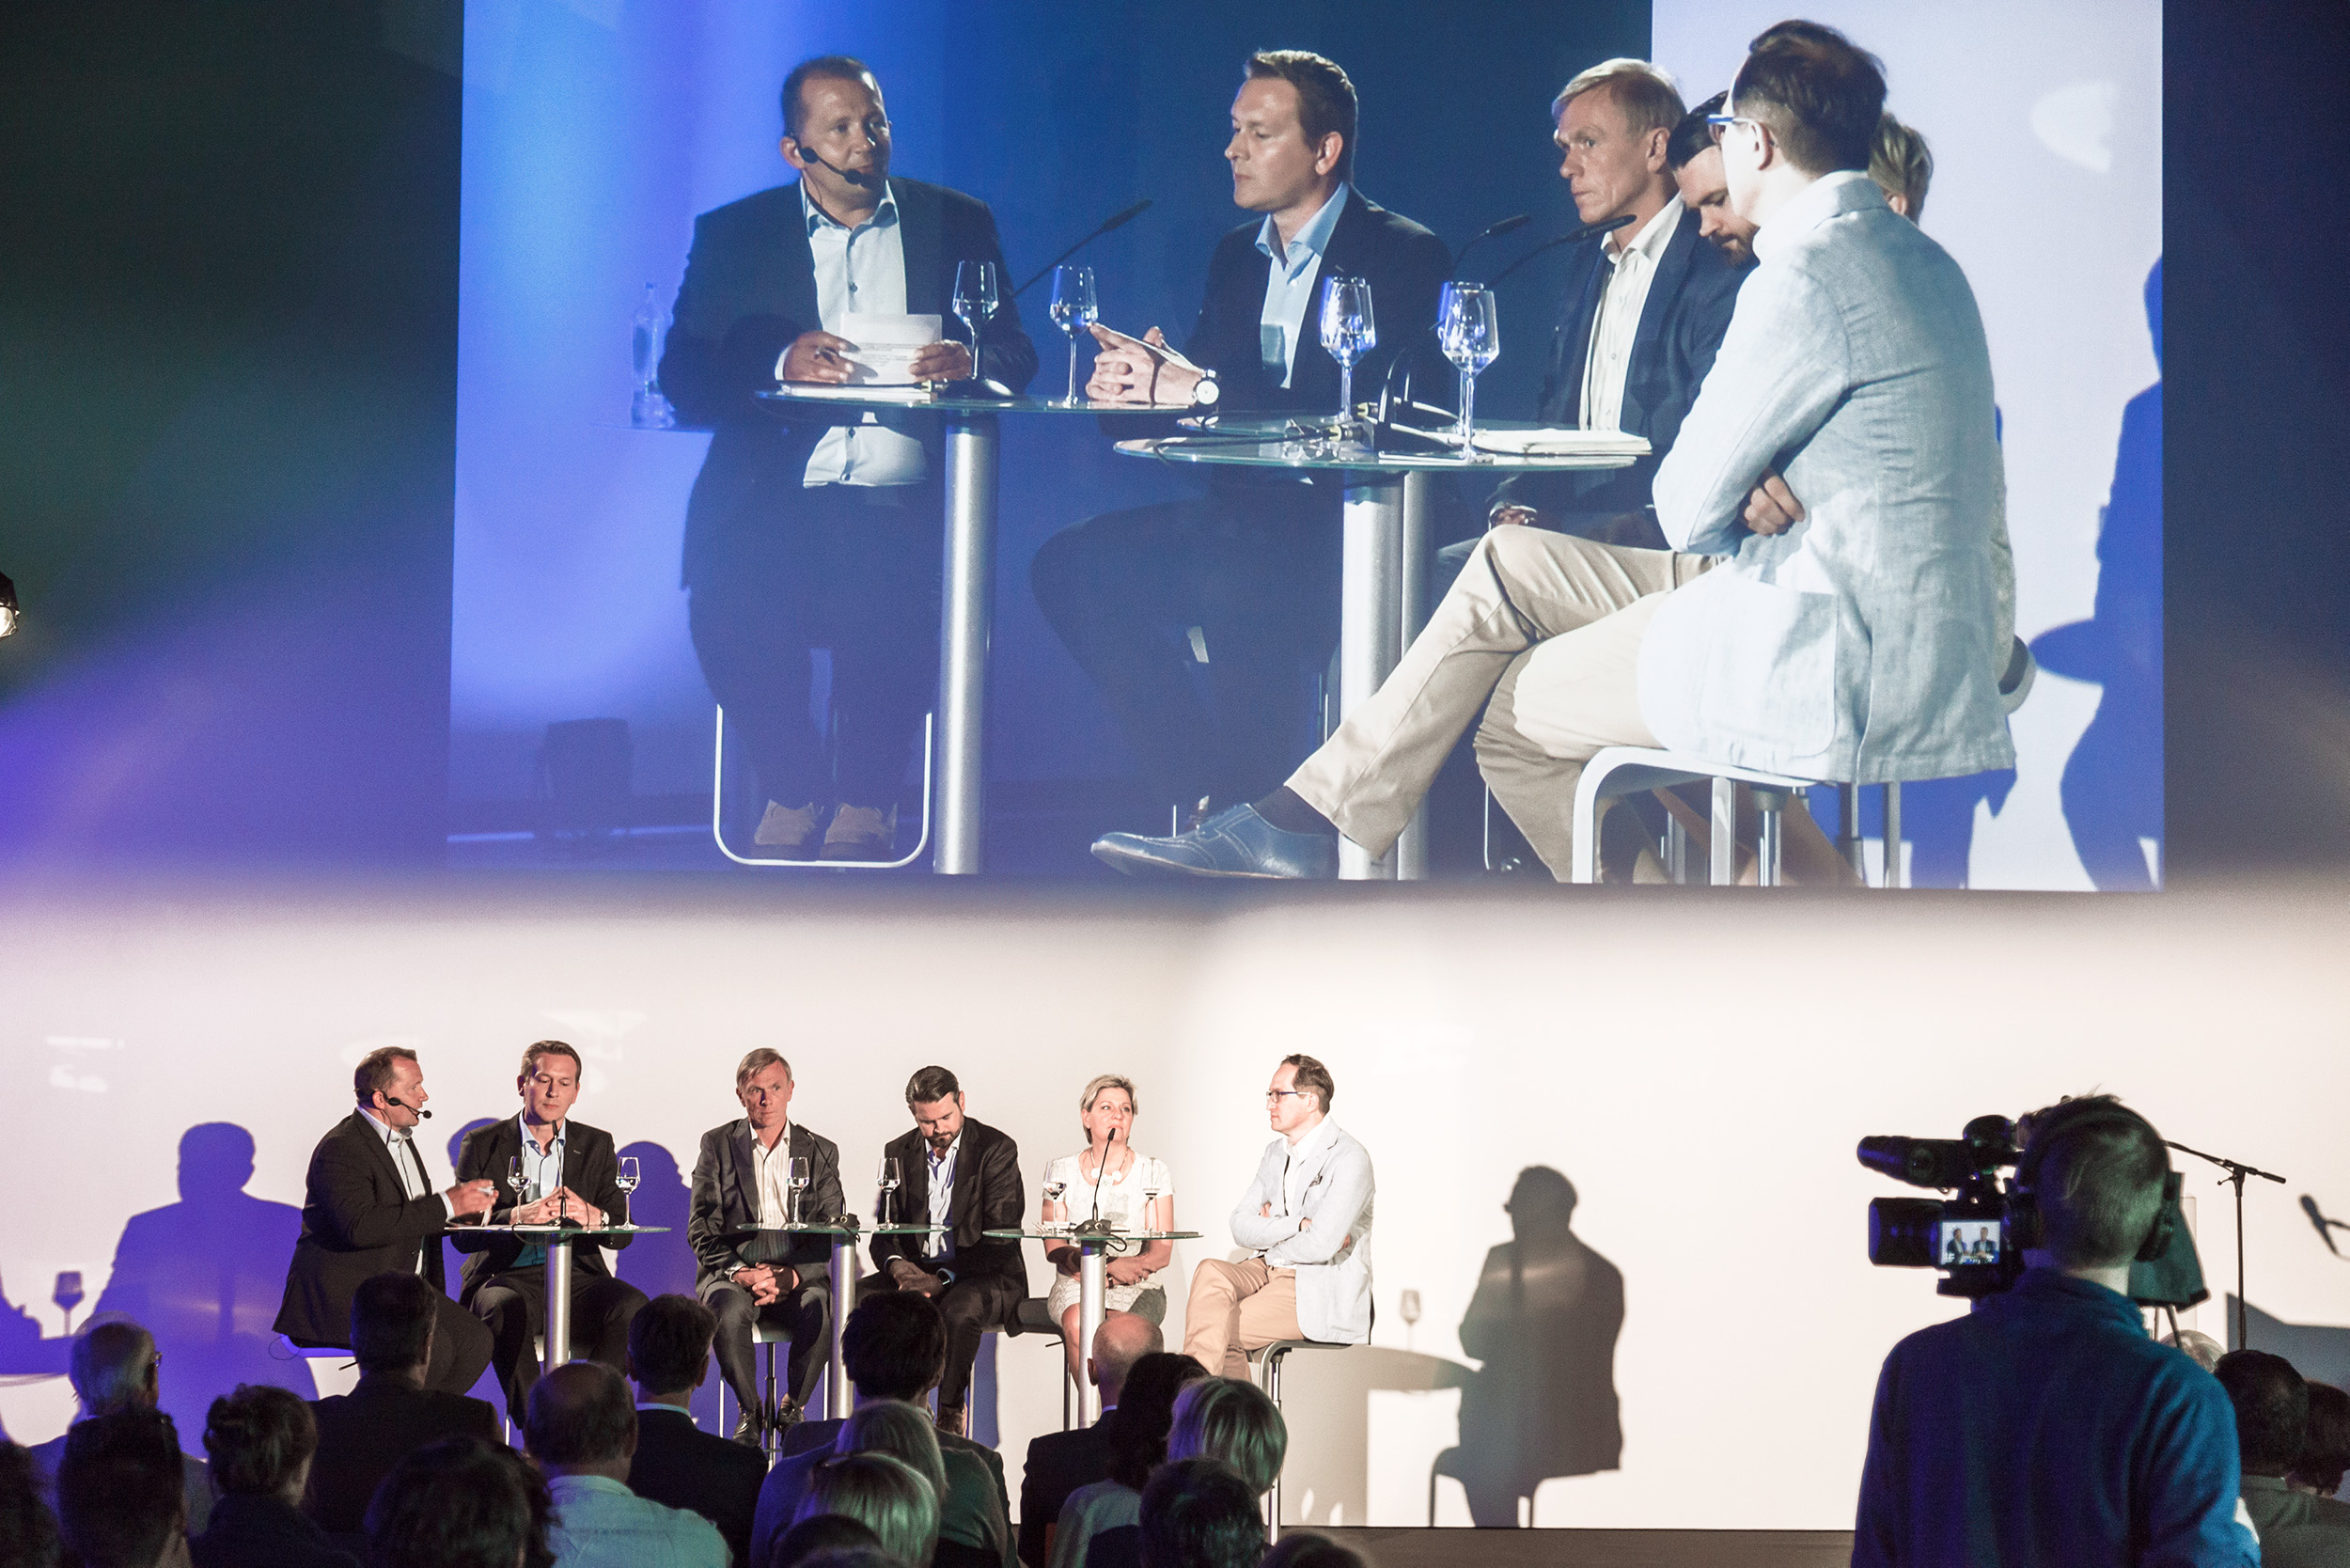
(1133, 1190)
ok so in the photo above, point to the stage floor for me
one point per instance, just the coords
(1597, 1548)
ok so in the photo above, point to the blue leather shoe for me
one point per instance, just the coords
(1234, 842)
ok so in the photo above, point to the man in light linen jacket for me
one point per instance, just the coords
(1837, 601)
(1306, 1217)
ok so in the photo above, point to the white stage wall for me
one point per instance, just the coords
(1699, 1068)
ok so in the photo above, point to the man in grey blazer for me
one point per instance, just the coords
(1307, 1219)
(1856, 635)
(743, 1188)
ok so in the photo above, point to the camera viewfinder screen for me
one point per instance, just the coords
(1960, 1242)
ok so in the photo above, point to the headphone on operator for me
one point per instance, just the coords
(2025, 1221)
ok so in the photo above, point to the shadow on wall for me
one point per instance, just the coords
(206, 1274)
(2113, 781)
(1544, 1321)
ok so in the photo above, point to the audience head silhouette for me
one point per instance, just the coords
(2272, 1409)
(1124, 1339)
(28, 1532)
(1302, 1548)
(1226, 1418)
(2326, 1443)
(459, 1504)
(112, 1366)
(833, 1539)
(581, 1418)
(885, 1495)
(2095, 1169)
(1199, 1513)
(895, 1345)
(261, 1440)
(391, 1323)
(899, 1431)
(1135, 1431)
(120, 1497)
(668, 1345)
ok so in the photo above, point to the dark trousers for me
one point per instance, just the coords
(848, 568)
(513, 1306)
(971, 1307)
(1256, 571)
(460, 1348)
(805, 1313)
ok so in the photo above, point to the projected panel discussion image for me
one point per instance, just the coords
(1660, 450)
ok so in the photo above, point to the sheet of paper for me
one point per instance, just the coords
(886, 346)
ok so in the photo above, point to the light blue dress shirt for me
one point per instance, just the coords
(541, 1175)
(602, 1524)
(860, 271)
(1290, 284)
(941, 1190)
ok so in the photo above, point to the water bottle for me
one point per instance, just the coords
(648, 409)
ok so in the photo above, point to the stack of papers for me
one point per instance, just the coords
(1561, 443)
(910, 395)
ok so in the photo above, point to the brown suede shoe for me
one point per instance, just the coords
(790, 831)
(862, 833)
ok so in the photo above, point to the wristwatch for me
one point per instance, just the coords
(1206, 390)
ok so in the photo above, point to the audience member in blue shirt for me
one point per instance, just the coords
(2046, 1427)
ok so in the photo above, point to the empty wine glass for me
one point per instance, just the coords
(886, 1179)
(975, 302)
(630, 1175)
(1053, 1191)
(515, 1179)
(797, 1179)
(1348, 332)
(1468, 329)
(67, 1293)
(1074, 309)
(1151, 1202)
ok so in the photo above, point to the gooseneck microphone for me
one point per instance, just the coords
(404, 1105)
(1573, 237)
(1115, 220)
(1494, 230)
(1093, 1225)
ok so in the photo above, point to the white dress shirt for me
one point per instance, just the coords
(771, 1175)
(1290, 283)
(401, 1144)
(942, 1191)
(1617, 322)
(860, 271)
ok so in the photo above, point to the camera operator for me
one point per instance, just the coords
(2045, 1426)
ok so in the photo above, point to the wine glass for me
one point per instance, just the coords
(515, 1180)
(67, 1293)
(630, 1175)
(1468, 329)
(1074, 309)
(1053, 1191)
(1151, 1202)
(797, 1180)
(975, 302)
(886, 1179)
(1348, 332)
(1409, 1305)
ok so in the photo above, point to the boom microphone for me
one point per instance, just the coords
(405, 1105)
(1573, 237)
(1491, 231)
(859, 177)
(1115, 220)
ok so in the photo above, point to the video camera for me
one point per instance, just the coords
(1974, 1238)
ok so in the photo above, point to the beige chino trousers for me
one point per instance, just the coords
(1548, 627)
(1237, 1308)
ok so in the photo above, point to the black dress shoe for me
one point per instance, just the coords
(787, 1414)
(1235, 843)
(746, 1431)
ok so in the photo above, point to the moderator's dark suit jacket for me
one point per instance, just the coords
(988, 1197)
(1405, 264)
(749, 290)
(591, 1168)
(357, 1220)
(363, 1433)
(725, 1201)
(1059, 1463)
(1682, 325)
(680, 1466)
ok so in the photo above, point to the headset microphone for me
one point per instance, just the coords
(404, 1105)
(855, 176)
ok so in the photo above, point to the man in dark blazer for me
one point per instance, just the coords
(368, 1209)
(392, 1412)
(1060, 1462)
(676, 1463)
(813, 529)
(572, 1175)
(1617, 124)
(747, 1274)
(1253, 565)
(965, 1176)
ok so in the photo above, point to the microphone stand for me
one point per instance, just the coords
(2237, 1170)
(1093, 1225)
(1115, 220)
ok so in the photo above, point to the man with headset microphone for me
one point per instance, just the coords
(2045, 1426)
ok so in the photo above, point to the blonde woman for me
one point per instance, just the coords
(1112, 1180)
(972, 1529)
(882, 1493)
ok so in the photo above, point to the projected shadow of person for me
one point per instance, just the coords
(453, 1260)
(2112, 788)
(206, 1274)
(663, 1264)
(1544, 1321)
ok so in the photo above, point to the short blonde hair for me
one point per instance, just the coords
(1231, 1419)
(759, 1061)
(1646, 92)
(1901, 163)
(1100, 1081)
(899, 1429)
(882, 1493)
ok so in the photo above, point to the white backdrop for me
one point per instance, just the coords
(1699, 1077)
(2045, 123)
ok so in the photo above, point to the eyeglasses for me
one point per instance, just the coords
(1274, 1096)
(1718, 124)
